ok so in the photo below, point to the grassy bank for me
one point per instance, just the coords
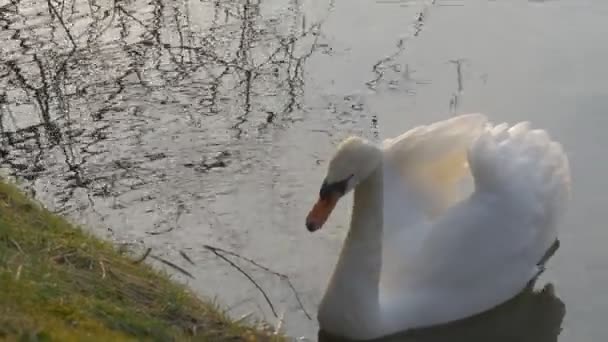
(58, 283)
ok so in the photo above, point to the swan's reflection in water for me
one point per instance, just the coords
(532, 316)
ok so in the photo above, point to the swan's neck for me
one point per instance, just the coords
(354, 284)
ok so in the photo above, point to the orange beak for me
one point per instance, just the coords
(320, 212)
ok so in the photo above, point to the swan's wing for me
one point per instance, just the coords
(434, 158)
(424, 169)
(484, 250)
(528, 173)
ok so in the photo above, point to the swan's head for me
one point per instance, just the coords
(354, 161)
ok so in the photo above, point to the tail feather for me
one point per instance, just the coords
(525, 164)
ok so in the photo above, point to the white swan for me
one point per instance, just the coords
(423, 249)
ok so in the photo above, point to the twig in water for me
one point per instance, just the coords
(180, 211)
(218, 253)
(185, 256)
(217, 250)
(161, 232)
(170, 264)
(143, 257)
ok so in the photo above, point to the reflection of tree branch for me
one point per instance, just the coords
(126, 13)
(41, 96)
(67, 31)
(112, 18)
(12, 66)
(157, 59)
(241, 119)
(156, 23)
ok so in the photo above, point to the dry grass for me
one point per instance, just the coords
(58, 283)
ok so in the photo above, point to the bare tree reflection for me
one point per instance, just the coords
(87, 84)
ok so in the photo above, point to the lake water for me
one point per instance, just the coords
(175, 125)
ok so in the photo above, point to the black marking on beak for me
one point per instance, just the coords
(327, 189)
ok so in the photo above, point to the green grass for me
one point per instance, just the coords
(58, 283)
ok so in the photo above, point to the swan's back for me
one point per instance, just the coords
(433, 159)
(484, 249)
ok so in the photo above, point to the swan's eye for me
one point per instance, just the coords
(339, 188)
